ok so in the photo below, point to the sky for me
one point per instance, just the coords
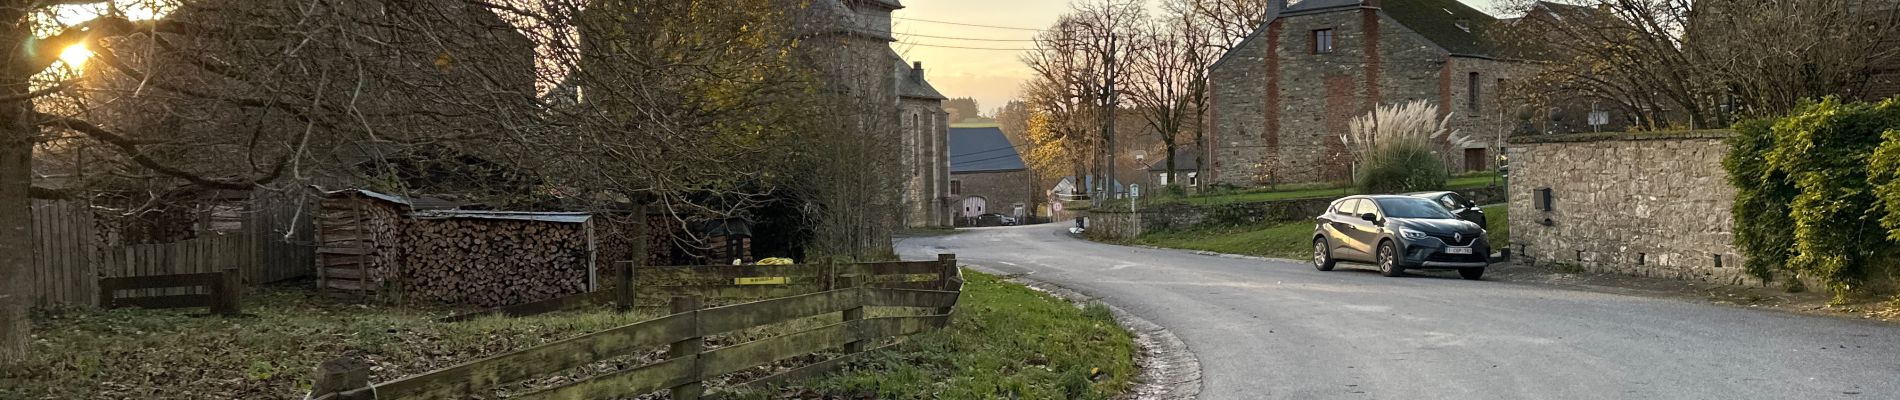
(990, 76)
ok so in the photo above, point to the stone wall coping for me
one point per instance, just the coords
(1624, 136)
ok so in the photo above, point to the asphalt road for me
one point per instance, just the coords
(1282, 330)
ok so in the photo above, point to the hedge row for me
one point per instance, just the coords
(1819, 192)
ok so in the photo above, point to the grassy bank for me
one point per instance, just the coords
(268, 354)
(1305, 191)
(1007, 341)
(1292, 240)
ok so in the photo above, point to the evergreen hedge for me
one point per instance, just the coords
(1807, 198)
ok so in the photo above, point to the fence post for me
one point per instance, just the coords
(853, 314)
(342, 379)
(227, 289)
(689, 347)
(641, 254)
(946, 269)
(946, 277)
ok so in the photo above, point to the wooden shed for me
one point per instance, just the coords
(387, 247)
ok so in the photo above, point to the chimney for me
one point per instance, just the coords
(917, 71)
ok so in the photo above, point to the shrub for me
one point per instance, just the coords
(1397, 167)
(1884, 173)
(1763, 229)
(1807, 191)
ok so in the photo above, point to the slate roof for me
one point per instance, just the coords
(983, 150)
(909, 84)
(1438, 21)
(1184, 160)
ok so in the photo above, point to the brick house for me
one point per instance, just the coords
(1283, 96)
(987, 175)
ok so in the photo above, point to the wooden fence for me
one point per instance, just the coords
(688, 362)
(65, 249)
(724, 284)
(222, 298)
(70, 255)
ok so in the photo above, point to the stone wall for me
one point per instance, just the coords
(1002, 190)
(1647, 204)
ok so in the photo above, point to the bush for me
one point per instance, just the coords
(1399, 167)
(1763, 228)
(1807, 191)
(1884, 174)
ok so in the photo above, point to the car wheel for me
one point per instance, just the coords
(1389, 260)
(1323, 255)
(1471, 274)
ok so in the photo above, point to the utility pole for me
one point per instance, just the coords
(1110, 103)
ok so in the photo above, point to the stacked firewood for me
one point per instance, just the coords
(487, 262)
(358, 243)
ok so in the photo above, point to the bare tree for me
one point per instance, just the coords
(1169, 83)
(1229, 21)
(1698, 64)
(586, 102)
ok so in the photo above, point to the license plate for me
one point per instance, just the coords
(1458, 250)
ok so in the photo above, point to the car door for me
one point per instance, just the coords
(1336, 225)
(1366, 233)
(1353, 230)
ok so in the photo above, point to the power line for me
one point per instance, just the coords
(953, 157)
(969, 39)
(962, 47)
(964, 24)
(982, 160)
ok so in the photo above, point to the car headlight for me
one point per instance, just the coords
(1411, 234)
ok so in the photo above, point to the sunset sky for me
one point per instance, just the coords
(990, 76)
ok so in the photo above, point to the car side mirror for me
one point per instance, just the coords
(1370, 217)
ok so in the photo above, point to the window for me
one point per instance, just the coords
(1474, 90)
(956, 187)
(1322, 41)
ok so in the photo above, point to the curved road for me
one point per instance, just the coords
(1281, 330)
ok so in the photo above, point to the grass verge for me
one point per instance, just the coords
(1291, 240)
(1006, 341)
(269, 354)
(1304, 191)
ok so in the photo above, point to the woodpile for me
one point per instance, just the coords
(375, 245)
(358, 244)
(487, 262)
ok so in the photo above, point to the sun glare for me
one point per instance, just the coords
(75, 55)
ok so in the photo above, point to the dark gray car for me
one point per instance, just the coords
(1456, 204)
(1397, 233)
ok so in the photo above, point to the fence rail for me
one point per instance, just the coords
(222, 291)
(687, 363)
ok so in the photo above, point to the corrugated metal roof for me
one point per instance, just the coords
(556, 217)
(414, 203)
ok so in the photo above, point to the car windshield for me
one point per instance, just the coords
(1413, 208)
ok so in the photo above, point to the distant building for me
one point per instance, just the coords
(987, 175)
(851, 39)
(1283, 96)
(1187, 170)
(1068, 189)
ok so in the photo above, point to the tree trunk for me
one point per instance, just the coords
(16, 155)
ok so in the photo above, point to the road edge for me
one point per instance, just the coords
(1169, 370)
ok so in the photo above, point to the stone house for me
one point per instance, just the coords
(850, 41)
(987, 175)
(1283, 96)
(1187, 167)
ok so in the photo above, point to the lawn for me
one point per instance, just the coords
(1308, 191)
(1006, 341)
(269, 354)
(1292, 240)
(1284, 240)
